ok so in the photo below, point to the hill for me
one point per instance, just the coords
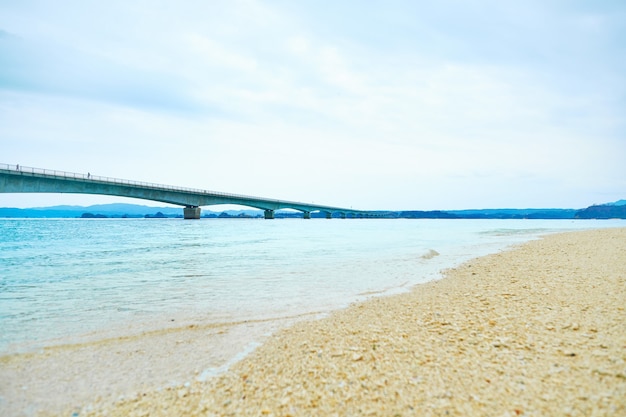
(604, 211)
(617, 203)
(99, 210)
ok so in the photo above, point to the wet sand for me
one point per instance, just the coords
(61, 376)
(537, 330)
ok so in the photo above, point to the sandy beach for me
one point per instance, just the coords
(537, 330)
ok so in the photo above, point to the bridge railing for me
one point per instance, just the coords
(110, 180)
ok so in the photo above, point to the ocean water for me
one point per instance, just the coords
(70, 280)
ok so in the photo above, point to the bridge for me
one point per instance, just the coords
(21, 179)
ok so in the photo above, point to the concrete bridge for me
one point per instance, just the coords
(21, 179)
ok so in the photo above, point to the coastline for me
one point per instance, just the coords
(522, 332)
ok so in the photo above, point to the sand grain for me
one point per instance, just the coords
(535, 331)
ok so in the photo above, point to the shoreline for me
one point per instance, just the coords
(57, 376)
(537, 330)
(383, 255)
(362, 338)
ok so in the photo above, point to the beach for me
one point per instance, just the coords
(536, 330)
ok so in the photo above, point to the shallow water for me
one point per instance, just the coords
(69, 280)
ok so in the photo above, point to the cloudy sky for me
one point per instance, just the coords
(366, 104)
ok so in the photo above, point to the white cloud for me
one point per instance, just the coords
(482, 104)
(209, 53)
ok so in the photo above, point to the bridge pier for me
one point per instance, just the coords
(191, 212)
(21, 179)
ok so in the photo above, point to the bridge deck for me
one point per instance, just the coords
(21, 179)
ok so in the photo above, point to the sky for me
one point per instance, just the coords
(374, 105)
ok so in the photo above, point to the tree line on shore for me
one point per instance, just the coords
(615, 210)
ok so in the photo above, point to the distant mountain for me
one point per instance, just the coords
(434, 214)
(615, 210)
(604, 211)
(99, 210)
(115, 209)
(119, 210)
(515, 214)
(617, 203)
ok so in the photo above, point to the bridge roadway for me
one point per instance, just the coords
(21, 179)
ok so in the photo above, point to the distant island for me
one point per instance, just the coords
(615, 210)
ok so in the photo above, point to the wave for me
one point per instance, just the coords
(430, 254)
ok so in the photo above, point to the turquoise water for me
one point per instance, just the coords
(67, 280)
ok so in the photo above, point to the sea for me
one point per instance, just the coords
(65, 281)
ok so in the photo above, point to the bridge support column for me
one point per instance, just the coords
(343, 215)
(191, 212)
(329, 215)
(306, 215)
(269, 214)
